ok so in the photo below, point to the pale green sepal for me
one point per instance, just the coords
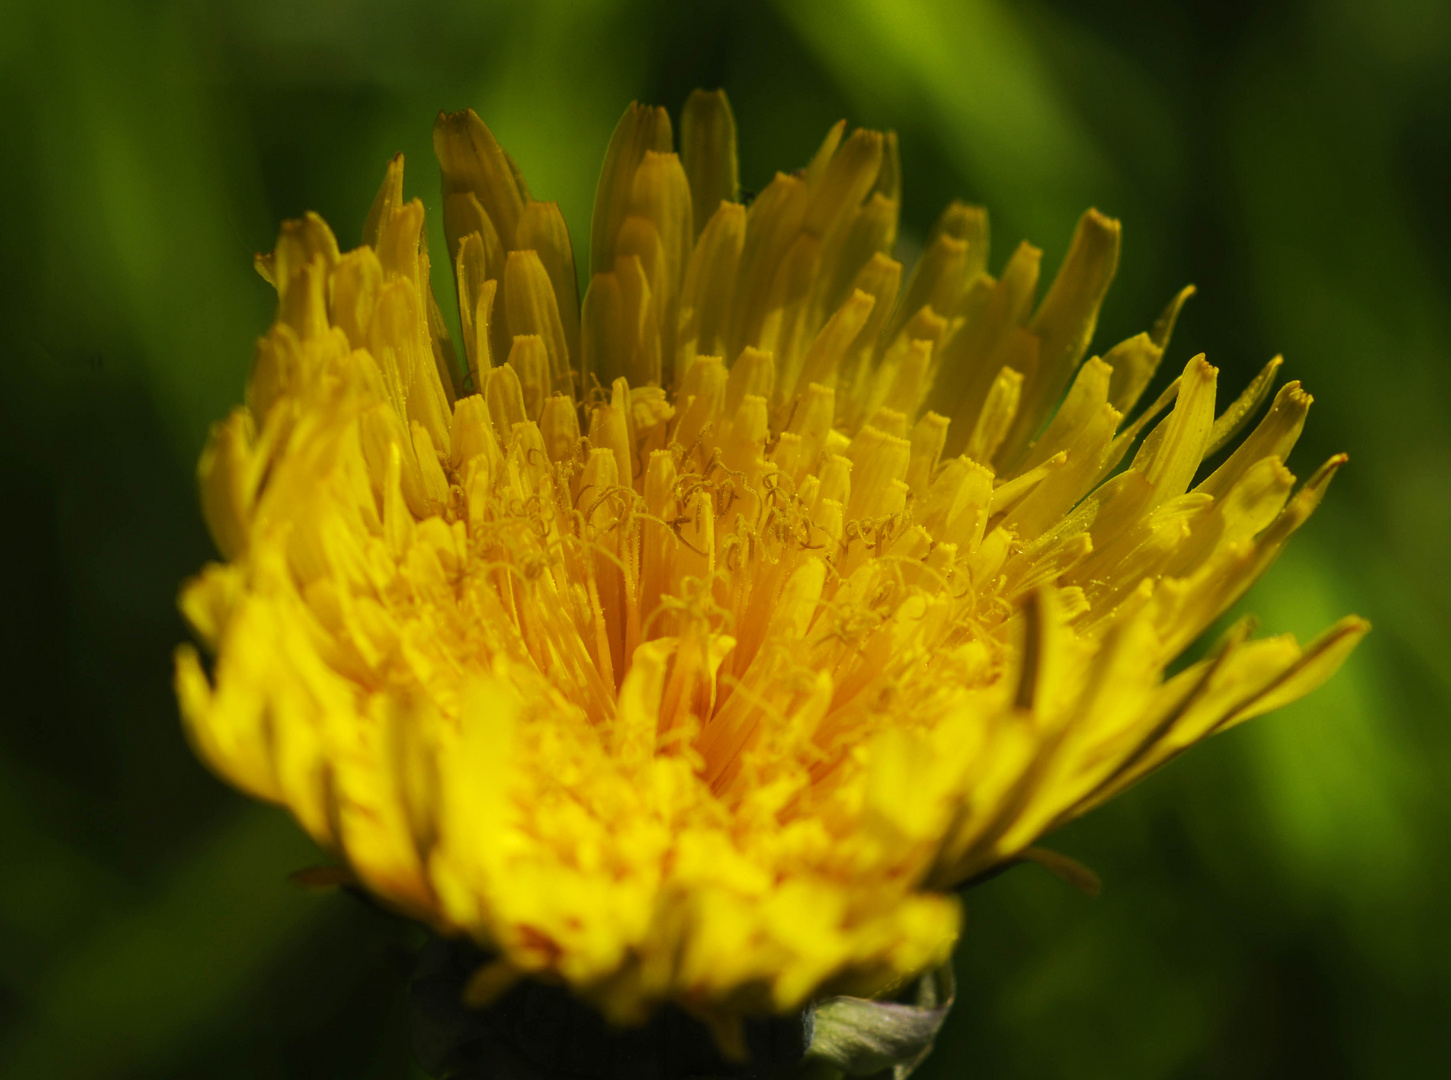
(861, 1037)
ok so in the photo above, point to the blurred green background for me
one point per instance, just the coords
(1274, 903)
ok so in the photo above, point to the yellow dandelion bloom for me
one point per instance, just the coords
(694, 641)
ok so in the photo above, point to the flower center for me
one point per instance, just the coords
(765, 594)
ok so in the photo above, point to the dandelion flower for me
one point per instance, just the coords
(694, 641)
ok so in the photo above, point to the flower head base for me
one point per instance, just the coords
(693, 643)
